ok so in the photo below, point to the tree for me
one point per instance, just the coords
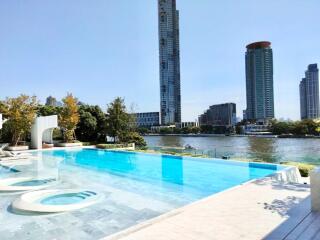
(300, 128)
(92, 122)
(69, 118)
(206, 129)
(20, 112)
(45, 110)
(143, 130)
(132, 137)
(279, 128)
(86, 129)
(118, 120)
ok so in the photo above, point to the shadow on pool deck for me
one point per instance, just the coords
(262, 209)
(297, 214)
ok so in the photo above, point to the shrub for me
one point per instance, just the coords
(132, 137)
(304, 168)
(112, 146)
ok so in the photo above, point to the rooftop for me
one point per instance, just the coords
(258, 45)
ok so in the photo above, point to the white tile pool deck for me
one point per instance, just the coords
(263, 209)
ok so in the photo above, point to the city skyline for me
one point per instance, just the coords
(44, 54)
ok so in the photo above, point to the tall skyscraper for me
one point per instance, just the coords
(259, 82)
(169, 56)
(309, 93)
(51, 101)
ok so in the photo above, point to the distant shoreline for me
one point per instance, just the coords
(224, 135)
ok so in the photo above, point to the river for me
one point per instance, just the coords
(253, 148)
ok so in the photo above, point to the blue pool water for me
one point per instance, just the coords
(63, 199)
(67, 198)
(188, 177)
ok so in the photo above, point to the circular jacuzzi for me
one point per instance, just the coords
(52, 201)
(25, 184)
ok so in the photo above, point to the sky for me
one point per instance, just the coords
(101, 49)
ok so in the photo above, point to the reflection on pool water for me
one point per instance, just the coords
(187, 177)
(63, 199)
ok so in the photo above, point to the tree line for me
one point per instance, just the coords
(77, 121)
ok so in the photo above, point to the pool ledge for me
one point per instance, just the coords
(268, 208)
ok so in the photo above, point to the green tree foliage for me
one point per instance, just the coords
(190, 130)
(132, 137)
(119, 124)
(91, 127)
(166, 130)
(69, 118)
(44, 110)
(281, 128)
(301, 128)
(118, 120)
(207, 129)
(20, 112)
(143, 130)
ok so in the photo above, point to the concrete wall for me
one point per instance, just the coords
(315, 189)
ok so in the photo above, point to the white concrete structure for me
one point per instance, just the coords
(42, 130)
(2, 121)
(33, 201)
(25, 184)
(315, 189)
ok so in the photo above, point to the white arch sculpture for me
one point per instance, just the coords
(1, 121)
(42, 130)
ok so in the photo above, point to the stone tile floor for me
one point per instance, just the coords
(123, 206)
(262, 209)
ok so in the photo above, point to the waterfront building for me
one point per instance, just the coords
(259, 82)
(187, 124)
(309, 93)
(254, 129)
(157, 129)
(220, 115)
(169, 62)
(147, 119)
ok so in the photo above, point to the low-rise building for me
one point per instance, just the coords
(256, 129)
(219, 115)
(187, 124)
(157, 129)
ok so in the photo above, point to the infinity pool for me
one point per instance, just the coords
(135, 188)
(190, 178)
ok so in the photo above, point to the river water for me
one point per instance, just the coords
(253, 148)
